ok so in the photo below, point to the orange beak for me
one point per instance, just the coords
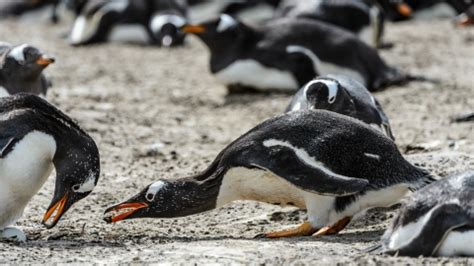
(465, 21)
(193, 29)
(59, 207)
(44, 60)
(135, 206)
(404, 9)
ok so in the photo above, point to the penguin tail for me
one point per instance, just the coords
(422, 179)
(394, 77)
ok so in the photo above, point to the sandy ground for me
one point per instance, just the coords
(130, 97)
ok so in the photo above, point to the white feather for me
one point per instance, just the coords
(457, 244)
(3, 92)
(88, 185)
(225, 22)
(330, 84)
(252, 73)
(17, 53)
(159, 20)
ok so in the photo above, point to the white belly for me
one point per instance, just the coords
(241, 183)
(253, 74)
(3, 92)
(457, 244)
(367, 35)
(372, 199)
(23, 172)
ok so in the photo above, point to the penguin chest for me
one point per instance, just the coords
(457, 243)
(22, 173)
(251, 73)
(242, 183)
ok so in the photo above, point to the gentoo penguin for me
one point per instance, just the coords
(36, 137)
(364, 19)
(251, 11)
(331, 164)
(21, 68)
(342, 95)
(438, 220)
(160, 18)
(282, 55)
(20, 7)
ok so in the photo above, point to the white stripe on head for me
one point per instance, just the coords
(159, 20)
(330, 84)
(88, 185)
(154, 188)
(225, 22)
(17, 53)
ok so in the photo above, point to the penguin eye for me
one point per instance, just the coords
(150, 197)
(75, 188)
(332, 99)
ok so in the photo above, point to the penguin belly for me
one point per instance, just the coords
(23, 172)
(457, 243)
(251, 73)
(242, 183)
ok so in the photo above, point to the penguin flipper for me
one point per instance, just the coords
(306, 173)
(442, 221)
(385, 123)
(6, 145)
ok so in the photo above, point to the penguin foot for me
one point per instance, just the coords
(333, 229)
(305, 229)
(12, 234)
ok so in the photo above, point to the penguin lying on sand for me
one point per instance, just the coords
(357, 16)
(18, 7)
(21, 68)
(438, 220)
(160, 18)
(283, 55)
(332, 165)
(342, 95)
(36, 137)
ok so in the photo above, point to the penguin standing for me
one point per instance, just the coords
(342, 95)
(357, 16)
(438, 220)
(283, 55)
(21, 69)
(160, 18)
(332, 165)
(36, 137)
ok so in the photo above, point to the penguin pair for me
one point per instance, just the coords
(287, 53)
(160, 18)
(362, 17)
(342, 95)
(438, 220)
(21, 69)
(332, 165)
(36, 137)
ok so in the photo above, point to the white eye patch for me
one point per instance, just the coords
(225, 22)
(87, 186)
(18, 54)
(153, 189)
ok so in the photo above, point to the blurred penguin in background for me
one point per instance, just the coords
(15, 8)
(160, 18)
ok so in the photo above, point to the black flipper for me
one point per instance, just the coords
(6, 145)
(443, 220)
(283, 162)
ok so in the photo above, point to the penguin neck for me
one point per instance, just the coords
(195, 194)
(28, 83)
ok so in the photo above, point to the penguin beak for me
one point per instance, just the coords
(123, 210)
(404, 9)
(464, 20)
(44, 60)
(59, 207)
(193, 29)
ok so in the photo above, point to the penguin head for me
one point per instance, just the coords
(77, 173)
(326, 93)
(25, 62)
(164, 199)
(218, 33)
(166, 29)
